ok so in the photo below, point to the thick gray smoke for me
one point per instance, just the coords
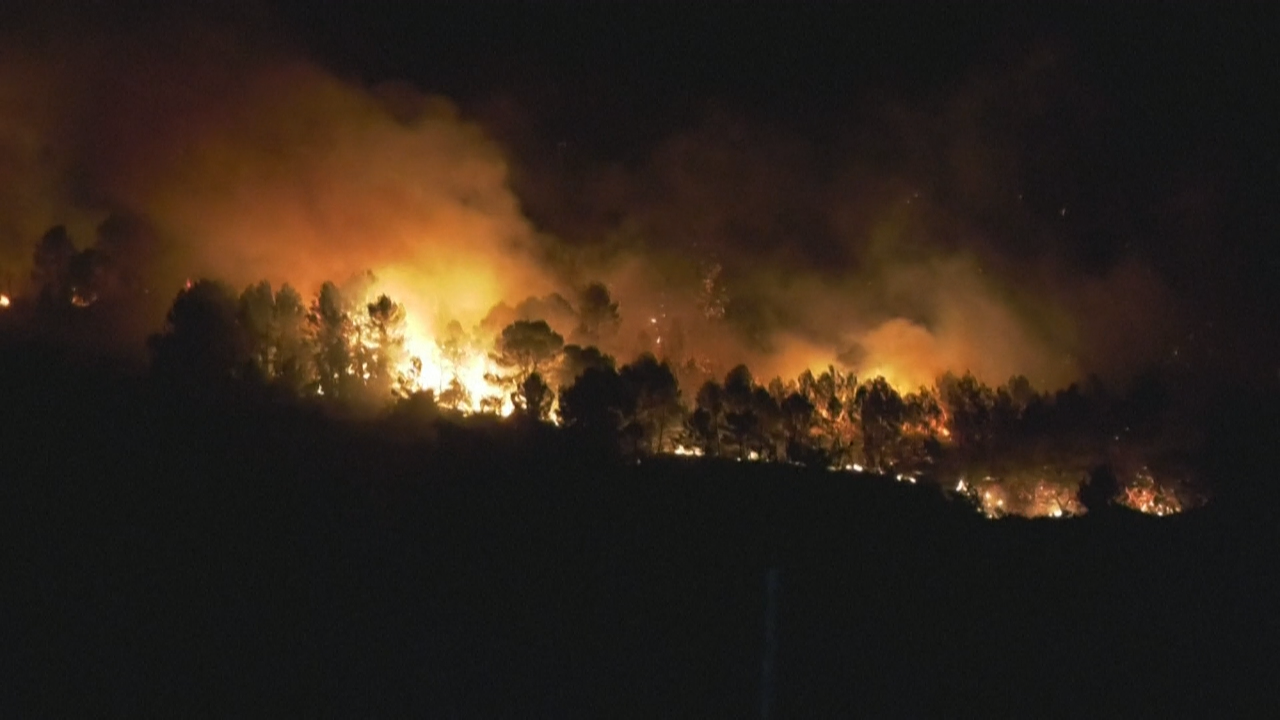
(918, 241)
(913, 242)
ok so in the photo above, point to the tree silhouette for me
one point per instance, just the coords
(524, 348)
(1098, 493)
(597, 314)
(768, 433)
(528, 346)
(595, 403)
(293, 356)
(577, 360)
(408, 381)
(797, 414)
(130, 254)
(415, 408)
(331, 327)
(707, 420)
(257, 316)
(654, 397)
(881, 415)
(970, 406)
(534, 398)
(85, 273)
(383, 349)
(832, 394)
(920, 445)
(454, 346)
(51, 266)
(202, 339)
(552, 308)
(739, 408)
(456, 395)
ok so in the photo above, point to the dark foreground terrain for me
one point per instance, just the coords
(178, 554)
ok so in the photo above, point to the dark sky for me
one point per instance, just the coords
(1152, 125)
(1177, 84)
(800, 62)
(1180, 89)
(1177, 158)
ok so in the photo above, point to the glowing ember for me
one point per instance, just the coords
(1030, 496)
(687, 451)
(1146, 495)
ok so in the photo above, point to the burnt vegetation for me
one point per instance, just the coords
(274, 511)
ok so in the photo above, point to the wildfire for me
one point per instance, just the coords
(1030, 497)
(1144, 494)
(391, 349)
(5, 301)
(462, 382)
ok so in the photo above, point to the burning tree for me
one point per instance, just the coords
(330, 334)
(454, 346)
(524, 349)
(831, 393)
(1011, 449)
(881, 415)
(382, 349)
(275, 325)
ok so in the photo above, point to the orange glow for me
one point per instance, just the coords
(901, 380)
(5, 301)
(470, 373)
(1029, 496)
(1144, 494)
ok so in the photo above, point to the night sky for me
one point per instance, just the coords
(1175, 160)
(1076, 138)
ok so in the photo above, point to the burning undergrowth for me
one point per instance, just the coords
(882, 294)
(1010, 449)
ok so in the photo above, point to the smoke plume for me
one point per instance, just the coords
(908, 243)
(255, 164)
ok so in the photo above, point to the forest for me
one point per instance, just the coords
(1009, 449)
(290, 504)
(644, 360)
